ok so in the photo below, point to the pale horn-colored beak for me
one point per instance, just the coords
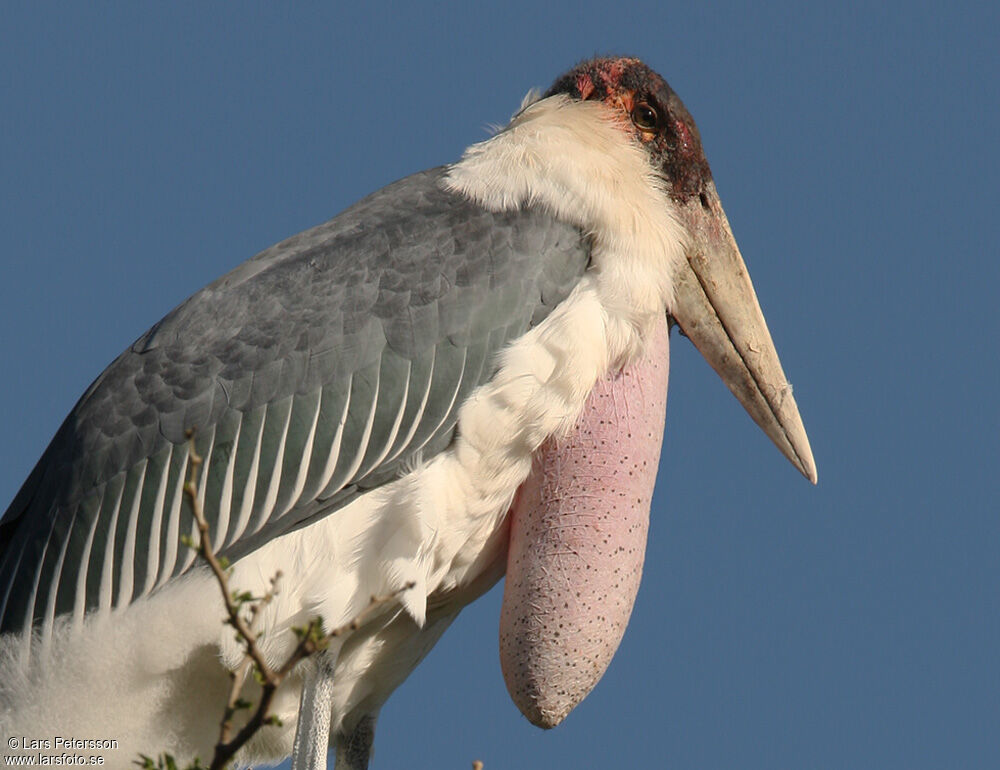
(717, 309)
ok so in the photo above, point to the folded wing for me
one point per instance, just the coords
(315, 371)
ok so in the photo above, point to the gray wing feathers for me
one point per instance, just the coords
(313, 372)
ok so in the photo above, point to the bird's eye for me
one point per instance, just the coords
(644, 116)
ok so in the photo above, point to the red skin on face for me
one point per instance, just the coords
(578, 539)
(673, 143)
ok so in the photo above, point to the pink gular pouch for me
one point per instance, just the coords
(578, 539)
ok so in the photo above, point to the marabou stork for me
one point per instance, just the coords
(462, 375)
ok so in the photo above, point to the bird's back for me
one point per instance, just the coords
(317, 370)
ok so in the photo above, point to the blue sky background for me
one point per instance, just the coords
(145, 150)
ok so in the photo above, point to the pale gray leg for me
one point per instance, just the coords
(354, 749)
(312, 733)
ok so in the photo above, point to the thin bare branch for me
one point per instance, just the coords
(312, 637)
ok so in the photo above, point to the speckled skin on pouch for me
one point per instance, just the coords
(577, 542)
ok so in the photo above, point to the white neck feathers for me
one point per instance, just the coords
(578, 161)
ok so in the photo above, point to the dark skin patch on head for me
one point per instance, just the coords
(674, 143)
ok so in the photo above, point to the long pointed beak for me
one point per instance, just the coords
(716, 307)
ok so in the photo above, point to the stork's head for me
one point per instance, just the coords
(650, 111)
(714, 302)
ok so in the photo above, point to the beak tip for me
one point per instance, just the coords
(803, 459)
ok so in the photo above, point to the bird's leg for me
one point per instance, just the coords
(312, 733)
(354, 749)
